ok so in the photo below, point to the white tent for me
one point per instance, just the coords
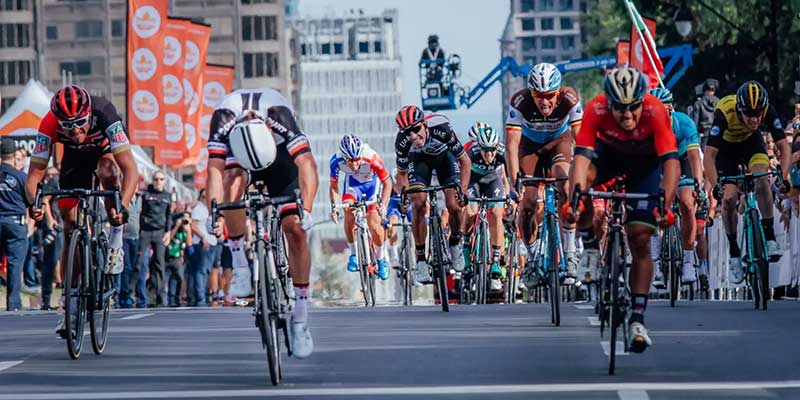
(24, 115)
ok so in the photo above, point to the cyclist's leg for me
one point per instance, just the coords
(759, 163)
(419, 175)
(688, 231)
(727, 163)
(560, 158)
(349, 195)
(473, 190)
(529, 165)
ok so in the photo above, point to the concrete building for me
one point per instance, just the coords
(17, 48)
(351, 83)
(540, 31)
(87, 39)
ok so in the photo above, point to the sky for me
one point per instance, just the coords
(469, 28)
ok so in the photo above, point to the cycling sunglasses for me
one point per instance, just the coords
(625, 107)
(545, 95)
(488, 149)
(753, 113)
(412, 129)
(69, 124)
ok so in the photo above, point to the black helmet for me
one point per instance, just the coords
(433, 39)
(710, 84)
(751, 98)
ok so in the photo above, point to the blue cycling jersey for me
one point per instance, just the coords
(685, 131)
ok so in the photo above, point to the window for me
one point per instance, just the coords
(326, 48)
(549, 59)
(526, 5)
(89, 29)
(7, 102)
(15, 35)
(363, 47)
(548, 42)
(260, 65)
(566, 5)
(338, 48)
(14, 72)
(528, 24)
(52, 32)
(547, 24)
(117, 28)
(256, 27)
(566, 23)
(14, 5)
(532, 61)
(303, 49)
(378, 47)
(548, 4)
(77, 67)
(568, 42)
(528, 43)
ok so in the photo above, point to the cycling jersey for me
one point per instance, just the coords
(106, 133)
(441, 139)
(729, 127)
(481, 167)
(685, 132)
(652, 136)
(371, 165)
(524, 116)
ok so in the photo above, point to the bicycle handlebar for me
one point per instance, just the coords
(355, 204)
(77, 193)
(487, 199)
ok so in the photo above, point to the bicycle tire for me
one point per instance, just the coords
(675, 261)
(482, 283)
(439, 267)
(511, 272)
(554, 261)
(372, 273)
(615, 264)
(407, 271)
(363, 267)
(101, 283)
(761, 275)
(75, 341)
(266, 318)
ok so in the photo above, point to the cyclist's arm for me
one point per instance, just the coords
(466, 166)
(35, 175)
(130, 176)
(333, 191)
(513, 135)
(216, 167)
(402, 179)
(575, 119)
(401, 151)
(697, 165)
(379, 169)
(584, 150)
(40, 156)
(386, 192)
(666, 146)
(309, 181)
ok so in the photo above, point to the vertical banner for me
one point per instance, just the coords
(217, 82)
(194, 63)
(623, 52)
(171, 150)
(638, 57)
(146, 26)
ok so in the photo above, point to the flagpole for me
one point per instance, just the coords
(638, 23)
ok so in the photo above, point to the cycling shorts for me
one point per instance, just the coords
(354, 190)
(752, 151)
(558, 150)
(687, 178)
(489, 185)
(77, 170)
(281, 179)
(422, 166)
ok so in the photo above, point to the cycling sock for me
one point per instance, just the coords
(495, 253)
(384, 251)
(655, 247)
(589, 239)
(568, 236)
(114, 237)
(393, 252)
(455, 239)
(769, 229)
(420, 250)
(352, 247)
(733, 246)
(300, 312)
(639, 306)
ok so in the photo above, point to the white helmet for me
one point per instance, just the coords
(487, 137)
(544, 77)
(252, 144)
(476, 127)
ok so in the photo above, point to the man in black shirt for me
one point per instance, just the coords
(13, 222)
(155, 223)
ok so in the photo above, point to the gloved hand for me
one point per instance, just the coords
(666, 220)
(307, 220)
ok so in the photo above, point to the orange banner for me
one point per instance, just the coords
(146, 27)
(639, 58)
(217, 82)
(623, 52)
(171, 149)
(194, 63)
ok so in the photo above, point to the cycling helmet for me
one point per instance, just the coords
(71, 102)
(252, 144)
(624, 86)
(487, 137)
(351, 147)
(663, 94)
(473, 131)
(409, 116)
(544, 77)
(751, 98)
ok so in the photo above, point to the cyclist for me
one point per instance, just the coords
(626, 131)
(254, 134)
(488, 178)
(364, 170)
(426, 144)
(95, 140)
(473, 136)
(736, 140)
(542, 122)
(691, 180)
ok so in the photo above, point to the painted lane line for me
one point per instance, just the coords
(620, 348)
(584, 306)
(8, 364)
(137, 316)
(632, 395)
(593, 321)
(418, 390)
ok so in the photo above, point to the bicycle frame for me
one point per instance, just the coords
(480, 246)
(366, 258)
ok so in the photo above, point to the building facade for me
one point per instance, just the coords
(351, 83)
(540, 31)
(18, 59)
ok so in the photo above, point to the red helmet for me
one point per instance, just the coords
(409, 116)
(71, 102)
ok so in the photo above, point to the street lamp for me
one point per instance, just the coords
(683, 20)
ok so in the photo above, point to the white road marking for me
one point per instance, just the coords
(620, 348)
(631, 387)
(8, 364)
(632, 395)
(593, 321)
(584, 306)
(137, 316)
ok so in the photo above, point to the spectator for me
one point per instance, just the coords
(129, 281)
(201, 260)
(13, 222)
(52, 240)
(702, 111)
(155, 225)
(181, 238)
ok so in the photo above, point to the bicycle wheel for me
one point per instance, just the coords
(761, 273)
(615, 314)
(372, 273)
(440, 267)
(674, 264)
(266, 315)
(363, 267)
(553, 261)
(482, 282)
(74, 320)
(511, 273)
(408, 271)
(99, 312)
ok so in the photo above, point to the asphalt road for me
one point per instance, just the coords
(702, 350)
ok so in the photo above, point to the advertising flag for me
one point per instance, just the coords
(195, 49)
(171, 149)
(217, 82)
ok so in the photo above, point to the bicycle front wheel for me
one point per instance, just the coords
(408, 259)
(616, 314)
(760, 277)
(266, 319)
(75, 312)
(554, 261)
(102, 285)
(482, 282)
(440, 268)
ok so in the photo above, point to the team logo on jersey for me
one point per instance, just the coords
(191, 137)
(172, 88)
(192, 56)
(145, 105)
(212, 93)
(144, 64)
(715, 131)
(205, 126)
(172, 50)
(173, 127)
(512, 114)
(146, 21)
(777, 124)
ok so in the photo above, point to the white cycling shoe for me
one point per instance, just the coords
(688, 276)
(302, 342)
(774, 250)
(590, 259)
(640, 341)
(457, 257)
(735, 270)
(422, 273)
